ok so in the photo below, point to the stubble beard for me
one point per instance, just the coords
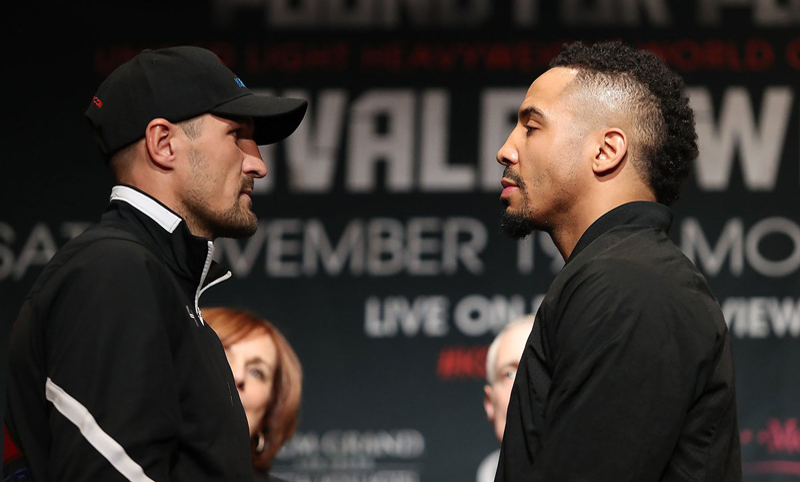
(237, 221)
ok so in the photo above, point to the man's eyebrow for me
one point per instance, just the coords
(531, 111)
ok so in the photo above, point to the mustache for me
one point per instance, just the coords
(248, 183)
(513, 176)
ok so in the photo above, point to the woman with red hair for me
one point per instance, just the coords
(268, 378)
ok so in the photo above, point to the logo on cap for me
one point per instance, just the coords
(239, 81)
(97, 102)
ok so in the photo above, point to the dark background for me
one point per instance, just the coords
(407, 406)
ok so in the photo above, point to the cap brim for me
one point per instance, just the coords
(275, 118)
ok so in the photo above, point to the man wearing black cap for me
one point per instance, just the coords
(114, 374)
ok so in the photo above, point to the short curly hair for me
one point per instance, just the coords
(666, 141)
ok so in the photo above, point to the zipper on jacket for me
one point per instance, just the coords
(217, 281)
(199, 291)
(200, 288)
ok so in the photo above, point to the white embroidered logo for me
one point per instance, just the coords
(191, 315)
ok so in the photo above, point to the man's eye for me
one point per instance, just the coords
(258, 373)
(512, 373)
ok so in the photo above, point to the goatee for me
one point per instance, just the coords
(516, 225)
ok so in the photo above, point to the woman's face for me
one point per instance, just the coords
(253, 361)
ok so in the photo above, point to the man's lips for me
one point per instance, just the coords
(509, 187)
(247, 193)
(247, 188)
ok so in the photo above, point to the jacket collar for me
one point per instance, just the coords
(149, 206)
(188, 255)
(637, 213)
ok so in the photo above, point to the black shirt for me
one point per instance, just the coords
(627, 374)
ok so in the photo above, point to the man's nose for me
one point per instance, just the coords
(508, 154)
(253, 163)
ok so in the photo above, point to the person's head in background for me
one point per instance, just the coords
(268, 378)
(502, 361)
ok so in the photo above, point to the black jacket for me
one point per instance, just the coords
(111, 340)
(627, 374)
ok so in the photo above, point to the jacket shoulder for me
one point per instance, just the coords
(643, 271)
(101, 249)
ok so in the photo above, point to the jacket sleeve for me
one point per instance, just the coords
(628, 358)
(110, 376)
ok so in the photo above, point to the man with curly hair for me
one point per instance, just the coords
(628, 373)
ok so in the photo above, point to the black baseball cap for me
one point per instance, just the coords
(179, 83)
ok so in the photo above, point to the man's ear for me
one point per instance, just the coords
(612, 149)
(487, 403)
(160, 141)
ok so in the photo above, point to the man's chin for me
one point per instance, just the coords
(247, 228)
(244, 227)
(516, 224)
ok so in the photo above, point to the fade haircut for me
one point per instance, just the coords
(664, 140)
(120, 162)
(192, 127)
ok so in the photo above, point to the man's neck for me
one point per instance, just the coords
(166, 196)
(568, 231)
